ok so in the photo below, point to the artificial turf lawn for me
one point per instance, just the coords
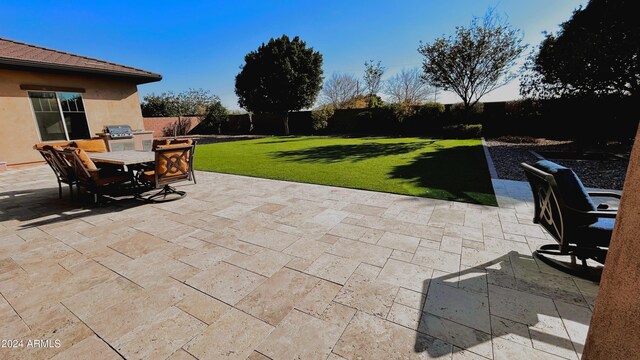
(440, 169)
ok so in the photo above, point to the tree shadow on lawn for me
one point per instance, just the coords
(352, 152)
(278, 140)
(457, 173)
(268, 140)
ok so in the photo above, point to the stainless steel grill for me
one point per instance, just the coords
(119, 131)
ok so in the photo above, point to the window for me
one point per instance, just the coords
(60, 115)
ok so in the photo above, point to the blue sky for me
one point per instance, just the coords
(201, 44)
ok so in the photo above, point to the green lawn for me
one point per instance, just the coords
(441, 169)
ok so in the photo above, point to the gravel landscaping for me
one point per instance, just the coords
(508, 153)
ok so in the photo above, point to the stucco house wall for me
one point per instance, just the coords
(615, 324)
(107, 101)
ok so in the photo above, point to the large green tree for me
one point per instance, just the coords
(475, 60)
(280, 76)
(596, 52)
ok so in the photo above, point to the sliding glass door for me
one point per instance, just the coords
(59, 115)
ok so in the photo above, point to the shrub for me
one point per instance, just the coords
(401, 112)
(431, 107)
(458, 115)
(431, 112)
(320, 117)
(478, 108)
(462, 131)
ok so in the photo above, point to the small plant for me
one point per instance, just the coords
(321, 117)
(178, 127)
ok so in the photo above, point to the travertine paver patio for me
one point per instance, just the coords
(254, 268)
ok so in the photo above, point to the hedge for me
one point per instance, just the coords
(594, 119)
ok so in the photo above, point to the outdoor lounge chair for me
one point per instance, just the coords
(89, 177)
(172, 164)
(566, 210)
(61, 168)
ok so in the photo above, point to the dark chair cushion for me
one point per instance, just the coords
(596, 234)
(571, 189)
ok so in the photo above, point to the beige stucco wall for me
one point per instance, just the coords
(615, 325)
(106, 101)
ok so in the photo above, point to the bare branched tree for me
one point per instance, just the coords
(474, 61)
(407, 87)
(340, 89)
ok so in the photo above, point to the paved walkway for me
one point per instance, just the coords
(254, 268)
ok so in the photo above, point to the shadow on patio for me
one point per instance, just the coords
(41, 206)
(486, 310)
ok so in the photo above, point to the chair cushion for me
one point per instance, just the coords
(598, 233)
(61, 144)
(84, 158)
(52, 147)
(149, 176)
(571, 189)
(92, 145)
(159, 142)
(172, 145)
(182, 141)
(114, 179)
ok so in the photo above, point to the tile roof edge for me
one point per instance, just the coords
(144, 73)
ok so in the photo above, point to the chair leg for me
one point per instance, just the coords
(59, 189)
(193, 175)
(572, 268)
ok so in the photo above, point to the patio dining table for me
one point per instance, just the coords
(129, 160)
(124, 158)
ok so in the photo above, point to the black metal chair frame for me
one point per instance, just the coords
(62, 169)
(558, 218)
(175, 172)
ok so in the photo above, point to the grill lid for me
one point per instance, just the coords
(119, 131)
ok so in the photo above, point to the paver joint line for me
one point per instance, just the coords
(358, 264)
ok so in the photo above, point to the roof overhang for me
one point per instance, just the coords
(27, 65)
